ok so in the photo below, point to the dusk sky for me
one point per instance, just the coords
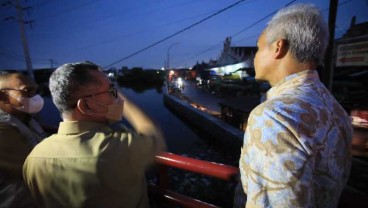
(106, 31)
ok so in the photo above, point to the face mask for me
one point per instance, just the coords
(114, 111)
(29, 105)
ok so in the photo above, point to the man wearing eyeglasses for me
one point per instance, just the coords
(19, 133)
(92, 161)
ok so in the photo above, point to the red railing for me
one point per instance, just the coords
(163, 192)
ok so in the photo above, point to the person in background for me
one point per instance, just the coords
(19, 133)
(296, 150)
(92, 161)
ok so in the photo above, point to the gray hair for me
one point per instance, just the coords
(304, 29)
(66, 81)
(5, 74)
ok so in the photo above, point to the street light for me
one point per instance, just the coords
(168, 65)
(168, 54)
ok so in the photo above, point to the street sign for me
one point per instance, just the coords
(354, 54)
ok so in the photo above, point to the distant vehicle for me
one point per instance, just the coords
(199, 80)
(214, 82)
(111, 75)
(180, 83)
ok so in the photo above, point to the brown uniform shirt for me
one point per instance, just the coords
(88, 164)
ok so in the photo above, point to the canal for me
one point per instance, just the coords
(182, 138)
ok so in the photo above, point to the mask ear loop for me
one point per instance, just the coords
(86, 110)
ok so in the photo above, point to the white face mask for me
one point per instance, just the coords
(114, 111)
(29, 105)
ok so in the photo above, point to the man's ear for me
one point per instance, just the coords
(83, 106)
(280, 48)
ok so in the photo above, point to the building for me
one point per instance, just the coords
(350, 58)
(233, 58)
(236, 54)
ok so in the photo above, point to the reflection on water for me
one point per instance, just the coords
(179, 137)
(139, 88)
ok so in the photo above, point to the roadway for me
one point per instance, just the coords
(195, 94)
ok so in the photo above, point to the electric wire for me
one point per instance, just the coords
(141, 31)
(236, 34)
(68, 10)
(164, 39)
(246, 28)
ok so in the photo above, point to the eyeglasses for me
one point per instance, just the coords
(30, 92)
(112, 90)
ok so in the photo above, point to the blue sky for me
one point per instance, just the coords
(105, 31)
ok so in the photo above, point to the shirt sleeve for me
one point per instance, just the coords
(137, 149)
(144, 149)
(276, 169)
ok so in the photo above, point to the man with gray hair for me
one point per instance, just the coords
(92, 161)
(296, 150)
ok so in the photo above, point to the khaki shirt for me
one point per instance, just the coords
(88, 164)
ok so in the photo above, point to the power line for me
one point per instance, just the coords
(92, 22)
(41, 4)
(247, 38)
(187, 28)
(10, 52)
(260, 20)
(145, 30)
(241, 31)
(21, 22)
(217, 45)
(214, 47)
(13, 56)
(68, 10)
(141, 31)
(248, 27)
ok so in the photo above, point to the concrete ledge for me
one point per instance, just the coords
(215, 127)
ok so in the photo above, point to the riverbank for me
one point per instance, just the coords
(220, 131)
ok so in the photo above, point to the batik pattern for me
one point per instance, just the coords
(296, 150)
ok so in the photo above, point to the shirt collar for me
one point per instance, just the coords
(292, 79)
(76, 127)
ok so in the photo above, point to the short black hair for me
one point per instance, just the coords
(66, 80)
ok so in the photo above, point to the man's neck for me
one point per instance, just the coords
(289, 67)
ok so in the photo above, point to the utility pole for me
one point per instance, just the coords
(328, 69)
(168, 54)
(51, 63)
(22, 31)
